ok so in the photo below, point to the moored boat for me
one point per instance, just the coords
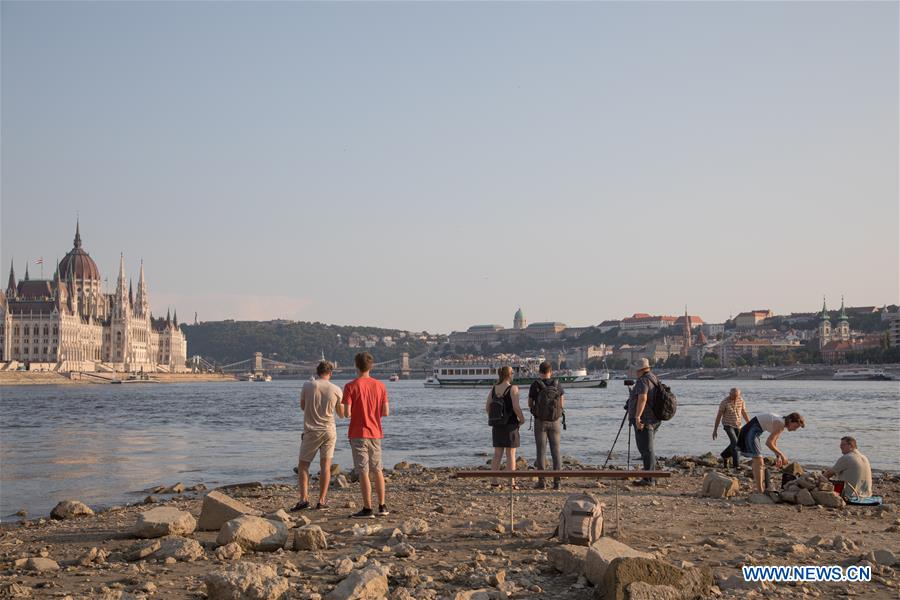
(861, 374)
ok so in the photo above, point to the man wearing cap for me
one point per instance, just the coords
(641, 417)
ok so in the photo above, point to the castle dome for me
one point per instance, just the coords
(518, 315)
(77, 262)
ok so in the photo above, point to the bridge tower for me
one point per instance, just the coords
(257, 362)
(405, 371)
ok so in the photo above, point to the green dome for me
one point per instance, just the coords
(519, 315)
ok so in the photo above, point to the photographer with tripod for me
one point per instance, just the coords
(641, 417)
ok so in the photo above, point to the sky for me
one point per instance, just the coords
(429, 166)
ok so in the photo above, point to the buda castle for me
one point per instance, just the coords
(68, 323)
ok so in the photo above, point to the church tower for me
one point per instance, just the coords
(824, 326)
(686, 334)
(843, 326)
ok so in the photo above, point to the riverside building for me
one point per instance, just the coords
(68, 323)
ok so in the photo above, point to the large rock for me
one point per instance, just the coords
(230, 551)
(370, 583)
(604, 551)
(41, 565)
(827, 499)
(568, 558)
(622, 572)
(639, 590)
(165, 520)
(310, 537)
(179, 548)
(805, 498)
(253, 533)
(70, 509)
(717, 485)
(281, 516)
(219, 508)
(246, 581)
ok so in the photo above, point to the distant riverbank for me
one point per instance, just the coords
(51, 378)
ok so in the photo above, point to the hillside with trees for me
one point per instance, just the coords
(225, 342)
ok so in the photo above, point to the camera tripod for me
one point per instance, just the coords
(628, 384)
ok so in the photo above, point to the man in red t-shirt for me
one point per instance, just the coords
(365, 401)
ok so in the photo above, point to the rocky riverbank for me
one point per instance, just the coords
(445, 538)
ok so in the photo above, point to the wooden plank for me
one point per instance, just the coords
(607, 474)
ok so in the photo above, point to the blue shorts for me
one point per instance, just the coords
(748, 439)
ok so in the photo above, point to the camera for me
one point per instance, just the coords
(629, 382)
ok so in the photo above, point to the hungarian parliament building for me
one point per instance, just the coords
(68, 323)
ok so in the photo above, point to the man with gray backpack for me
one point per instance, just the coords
(546, 400)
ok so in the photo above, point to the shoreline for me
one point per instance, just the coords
(18, 378)
(467, 545)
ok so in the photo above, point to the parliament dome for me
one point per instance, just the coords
(77, 262)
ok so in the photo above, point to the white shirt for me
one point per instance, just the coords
(770, 422)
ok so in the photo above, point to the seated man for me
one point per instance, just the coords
(853, 470)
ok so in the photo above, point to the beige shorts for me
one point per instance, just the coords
(315, 440)
(366, 454)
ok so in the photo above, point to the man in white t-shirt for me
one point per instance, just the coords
(318, 401)
(853, 469)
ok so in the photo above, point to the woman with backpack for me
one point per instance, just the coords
(504, 417)
(731, 410)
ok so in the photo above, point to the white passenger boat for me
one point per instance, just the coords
(861, 374)
(482, 374)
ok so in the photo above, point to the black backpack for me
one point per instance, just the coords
(497, 413)
(547, 406)
(662, 402)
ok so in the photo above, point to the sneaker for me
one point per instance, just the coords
(365, 513)
(383, 510)
(557, 485)
(540, 485)
(322, 506)
(645, 482)
(303, 505)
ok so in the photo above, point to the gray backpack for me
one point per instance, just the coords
(581, 520)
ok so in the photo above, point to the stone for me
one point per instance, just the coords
(601, 553)
(343, 567)
(70, 509)
(141, 550)
(717, 485)
(404, 550)
(281, 516)
(622, 572)
(300, 521)
(818, 540)
(370, 583)
(15, 590)
(568, 558)
(341, 483)
(253, 533)
(178, 488)
(219, 508)
(885, 557)
(414, 526)
(87, 558)
(310, 537)
(165, 520)
(760, 499)
(638, 590)
(842, 544)
(793, 469)
(827, 499)
(41, 565)
(246, 581)
(179, 548)
(401, 466)
(232, 551)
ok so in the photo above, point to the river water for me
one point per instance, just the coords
(106, 444)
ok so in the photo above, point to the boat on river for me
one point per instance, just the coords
(481, 374)
(861, 374)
